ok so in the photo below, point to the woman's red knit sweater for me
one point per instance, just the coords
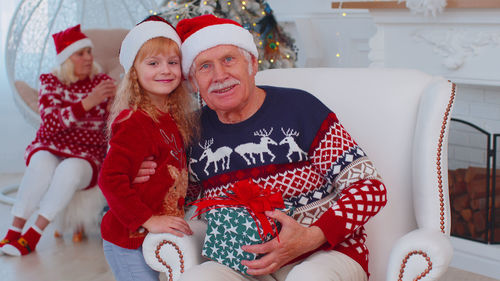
(68, 130)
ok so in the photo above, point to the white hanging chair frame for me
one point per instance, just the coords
(18, 25)
(15, 36)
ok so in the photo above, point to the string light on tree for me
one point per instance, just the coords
(276, 48)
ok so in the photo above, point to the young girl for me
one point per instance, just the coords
(152, 115)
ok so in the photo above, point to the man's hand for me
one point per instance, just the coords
(295, 240)
(145, 171)
(168, 224)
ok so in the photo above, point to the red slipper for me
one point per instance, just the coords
(24, 245)
(12, 235)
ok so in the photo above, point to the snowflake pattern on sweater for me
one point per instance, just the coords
(66, 129)
(295, 145)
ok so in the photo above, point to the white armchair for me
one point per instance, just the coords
(400, 118)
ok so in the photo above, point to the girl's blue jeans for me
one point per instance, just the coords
(127, 264)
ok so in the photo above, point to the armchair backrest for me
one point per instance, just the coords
(400, 118)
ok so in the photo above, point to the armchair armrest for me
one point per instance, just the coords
(422, 254)
(173, 255)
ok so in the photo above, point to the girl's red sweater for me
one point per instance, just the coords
(131, 205)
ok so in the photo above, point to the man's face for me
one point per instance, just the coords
(223, 79)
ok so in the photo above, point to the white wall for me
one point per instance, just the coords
(324, 36)
(15, 132)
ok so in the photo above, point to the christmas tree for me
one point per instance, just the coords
(276, 48)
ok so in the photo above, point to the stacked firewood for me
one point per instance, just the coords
(469, 201)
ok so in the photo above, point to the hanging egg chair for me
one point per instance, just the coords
(30, 51)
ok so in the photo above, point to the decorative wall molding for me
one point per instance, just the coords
(462, 45)
(377, 50)
(419, 5)
(426, 7)
(456, 45)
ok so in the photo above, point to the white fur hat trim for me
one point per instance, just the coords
(214, 35)
(68, 51)
(141, 33)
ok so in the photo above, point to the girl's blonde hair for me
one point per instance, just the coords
(180, 104)
(66, 72)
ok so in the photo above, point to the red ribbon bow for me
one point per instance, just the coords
(251, 196)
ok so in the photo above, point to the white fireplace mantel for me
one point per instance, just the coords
(462, 45)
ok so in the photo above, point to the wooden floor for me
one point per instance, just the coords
(55, 258)
(61, 259)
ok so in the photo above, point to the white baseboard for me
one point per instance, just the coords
(476, 257)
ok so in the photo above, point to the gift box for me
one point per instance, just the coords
(228, 229)
(238, 219)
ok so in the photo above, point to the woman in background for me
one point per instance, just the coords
(70, 144)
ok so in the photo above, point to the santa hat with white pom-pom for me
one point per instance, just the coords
(204, 32)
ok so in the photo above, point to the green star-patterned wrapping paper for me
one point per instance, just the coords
(228, 229)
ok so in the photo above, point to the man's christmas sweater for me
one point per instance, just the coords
(136, 136)
(295, 145)
(67, 130)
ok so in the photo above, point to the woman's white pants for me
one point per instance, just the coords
(49, 183)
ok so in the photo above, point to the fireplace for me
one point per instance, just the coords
(474, 182)
(462, 45)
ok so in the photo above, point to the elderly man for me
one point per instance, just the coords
(287, 141)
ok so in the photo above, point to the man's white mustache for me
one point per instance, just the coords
(226, 84)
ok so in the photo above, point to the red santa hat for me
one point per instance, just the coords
(69, 41)
(151, 27)
(204, 32)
